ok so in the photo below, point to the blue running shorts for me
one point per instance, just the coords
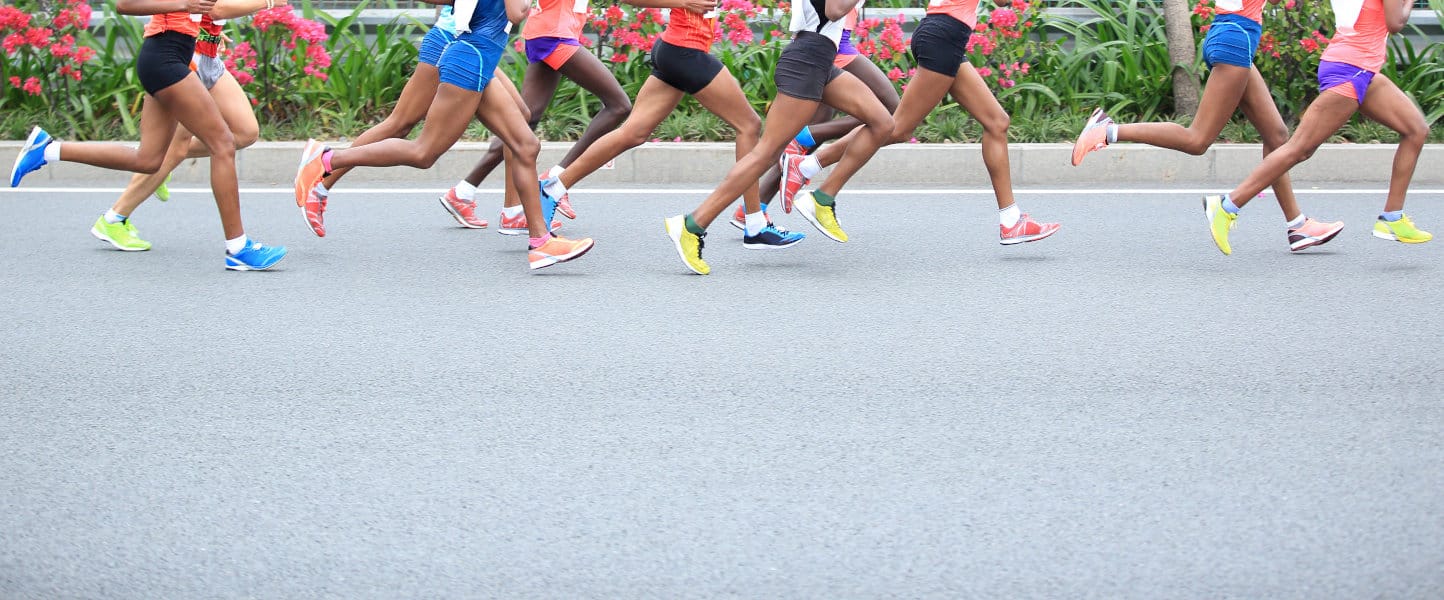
(469, 64)
(1231, 40)
(435, 42)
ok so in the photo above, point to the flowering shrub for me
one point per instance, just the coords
(42, 56)
(1004, 47)
(1289, 47)
(284, 61)
(883, 42)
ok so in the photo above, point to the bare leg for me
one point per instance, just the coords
(447, 119)
(784, 120)
(1323, 118)
(849, 95)
(537, 90)
(157, 126)
(588, 71)
(410, 108)
(198, 112)
(500, 114)
(1388, 105)
(1221, 96)
(1259, 108)
(655, 101)
(925, 91)
(725, 98)
(973, 94)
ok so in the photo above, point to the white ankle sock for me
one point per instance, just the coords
(555, 188)
(113, 217)
(554, 171)
(1112, 130)
(511, 212)
(756, 222)
(1297, 223)
(464, 190)
(52, 152)
(810, 166)
(321, 190)
(1008, 217)
(236, 245)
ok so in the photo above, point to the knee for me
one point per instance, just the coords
(148, 165)
(526, 115)
(880, 121)
(1196, 145)
(423, 156)
(618, 109)
(1295, 153)
(246, 137)
(997, 124)
(750, 129)
(223, 145)
(528, 147)
(634, 136)
(1415, 134)
(1274, 136)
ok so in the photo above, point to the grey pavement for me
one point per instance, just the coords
(403, 411)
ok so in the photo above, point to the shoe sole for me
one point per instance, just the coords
(102, 237)
(523, 231)
(1077, 157)
(1394, 238)
(770, 246)
(24, 150)
(243, 267)
(455, 215)
(1208, 218)
(1030, 238)
(677, 243)
(1313, 241)
(564, 258)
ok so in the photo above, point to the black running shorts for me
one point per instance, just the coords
(164, 60)
(940, 44)
(805, 66)
(687, 69)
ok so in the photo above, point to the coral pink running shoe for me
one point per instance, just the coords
(517, 226)
(792, 179)
(795, 148)
(464, 211)
(739, 218)
(1025, 230)
(1093, 137)
(1313, 233)
(558, 250)
(314, 209)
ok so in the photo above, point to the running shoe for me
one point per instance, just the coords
(795, 147)
(162, 192)
(1402, 230)
(688, 244)
(308, 176)
(772, 238)
(122, 235)
(32, 155)
(1219, 222)
(558, 250)
(517, 226)
(824, 218)
(1313, 233)
(792, 179)
(739, 218)
(564, 203)
(1093, 137)
(255, 257)
(1025, 230)
(464, 211)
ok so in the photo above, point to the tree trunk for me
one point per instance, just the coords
(1178, 27)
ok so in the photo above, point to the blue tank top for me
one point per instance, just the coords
(488, 24)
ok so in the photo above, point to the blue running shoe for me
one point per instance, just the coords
(772, 238)
(255, 257)
(548, 203)
(32, 155)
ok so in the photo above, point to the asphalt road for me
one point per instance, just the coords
(403, 410)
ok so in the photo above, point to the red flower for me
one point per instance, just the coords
(84, 54)
(39, 36)
(12, 42)
(32, 86)
(1309, 45)
(14, 81)
(895, 74)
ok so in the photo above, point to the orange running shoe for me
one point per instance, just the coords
(792, 179)
(308, 176)
(1025, 230)
(1093, 137)
(517, 226)
(558, 250)
(464, 211)
(1313, 233)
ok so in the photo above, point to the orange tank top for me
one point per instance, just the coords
(691, 30)
(1362, 35)
(962, 10)
(1249, 9)
(174, 21)
(556, 19)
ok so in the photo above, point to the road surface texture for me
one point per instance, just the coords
(402, 410)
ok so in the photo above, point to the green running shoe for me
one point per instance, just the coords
(163, 192)
(1219, 221)
(121, 235)
(1402, 230)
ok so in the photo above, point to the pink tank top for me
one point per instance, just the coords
(556, 19)
(962, 10)
(1362, 34)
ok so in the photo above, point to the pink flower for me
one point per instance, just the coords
(32, 86)
(12, 42)
(1290, 4)
(895, 74)
(1006, 83)
(39, 36)
(1004, 17)
(14, 81)
(985, 71)
(1309, 45)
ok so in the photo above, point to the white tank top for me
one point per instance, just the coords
(811, 15)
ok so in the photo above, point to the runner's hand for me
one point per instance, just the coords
(700, 7)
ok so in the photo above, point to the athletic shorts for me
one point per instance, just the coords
(209, 68)
(846, 52)
(553, 51)
(686, 69)
(164, 60)
(1344, 79)
(1231, 40)
(940, 44)
(435, 42)
(469, 64)
(805, 66)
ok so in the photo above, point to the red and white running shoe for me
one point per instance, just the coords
(1025, 230)
(464, 211)
(517, 226)
(792, 179)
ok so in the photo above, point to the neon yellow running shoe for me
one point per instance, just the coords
(824, 218)
(163, 192)
(122, 235)
(1402, 230)
(688, 244)
(1219, 221)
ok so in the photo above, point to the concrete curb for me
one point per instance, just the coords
(903, 165)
